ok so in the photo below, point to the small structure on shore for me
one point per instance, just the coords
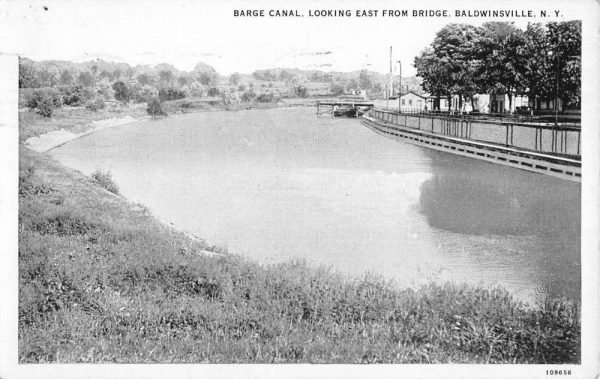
(344, 107)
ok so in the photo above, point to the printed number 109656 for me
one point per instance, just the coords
(558, 372)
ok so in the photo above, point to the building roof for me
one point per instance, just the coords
(414, 93)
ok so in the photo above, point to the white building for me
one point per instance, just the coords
(409, 101)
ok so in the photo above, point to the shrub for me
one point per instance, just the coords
(230, 97)
(95, 105)
(248, 96)
(196, 89)
(301, 91)
(45, 100)
(265, 98)
(45, 107)
(166, 94)
(155, 108)
(72, 95)
(105, 180)
(213, 91)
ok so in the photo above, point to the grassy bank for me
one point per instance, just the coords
(101, 280)
(78, 119)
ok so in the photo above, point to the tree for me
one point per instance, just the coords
(500, 62)
(364, 80)
(336, 89)
(104, 89)
(205, 74)
(27, 74)
(248, 96)
(206, 79)
(49, 76)
(155, 108)
(434, 72)
(352, 85)
(377, 88)
(66, 78)
(122, 92)
(196, 89)
(116, 74)
(166, 77)
(301, 91)
(86, 79)
(105, 75)
(184, 80)
(564, 40)
(145, 79)
(536, 61)
(234, 79)
(213, 91)
(454, 47)
(145, 94)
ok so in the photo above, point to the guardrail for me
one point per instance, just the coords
(541, 120)
(561, 167)
(563, 140)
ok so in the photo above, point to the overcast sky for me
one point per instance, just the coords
(185, 32)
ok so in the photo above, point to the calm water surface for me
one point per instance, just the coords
(282, 183)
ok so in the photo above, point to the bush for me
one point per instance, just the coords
(45, 100)
(105, 180)
(95, 105)
(301, 91)
(266, 98)
(213, 91)
(45, 93)
(166, 94)
(196, 89)
(155, 108)
(72, 95)
(248, 96)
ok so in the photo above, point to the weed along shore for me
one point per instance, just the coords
(102, 280)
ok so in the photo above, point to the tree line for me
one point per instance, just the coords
(50, 84)
(543, 61)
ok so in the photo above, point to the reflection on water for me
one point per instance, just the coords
(474, 197)
(280, 184)
(537, 217)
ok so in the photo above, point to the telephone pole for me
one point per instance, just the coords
(391, 86)
(399, 85)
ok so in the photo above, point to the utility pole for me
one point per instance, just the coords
(556, 90)
(399, 85)
(391, 86)
(387, 101)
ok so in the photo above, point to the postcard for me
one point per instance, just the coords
(266, 189)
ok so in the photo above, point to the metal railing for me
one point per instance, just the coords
(563, 140)
(563, 121)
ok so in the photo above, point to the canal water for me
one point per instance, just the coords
(279, 184)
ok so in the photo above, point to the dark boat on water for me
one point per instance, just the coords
(344, 112)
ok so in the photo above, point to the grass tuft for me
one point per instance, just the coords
(105, 180)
